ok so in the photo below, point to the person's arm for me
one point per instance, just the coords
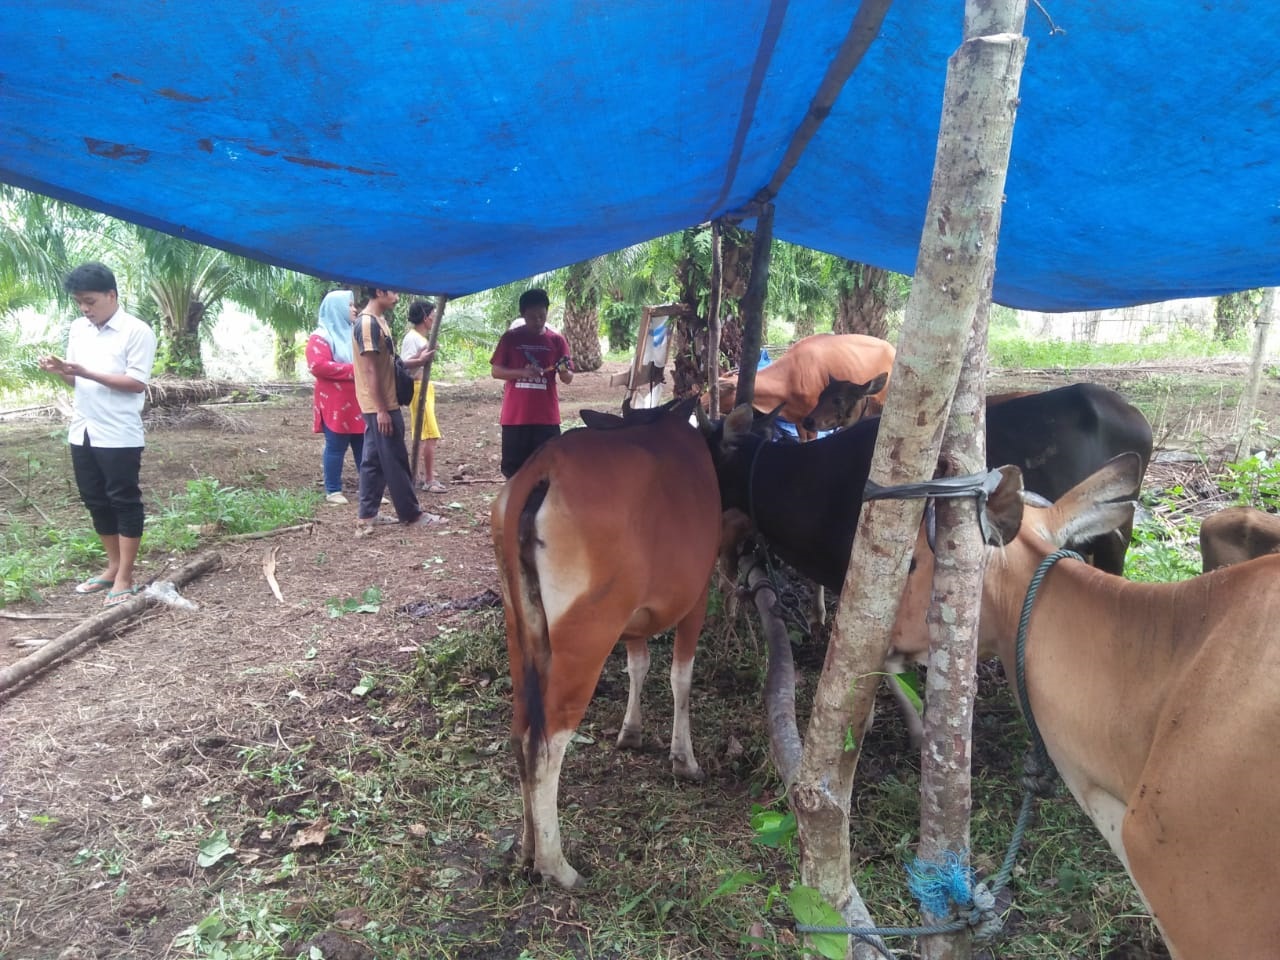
(564, 369)
(500, 371)
(69, 370)
(322, 365)
(419, 359)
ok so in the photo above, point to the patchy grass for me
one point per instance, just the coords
(34, 556)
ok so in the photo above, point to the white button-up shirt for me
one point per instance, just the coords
(123, 345)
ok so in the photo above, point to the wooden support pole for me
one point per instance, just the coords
(95, 626)
(1249, 399)
(713, 317)
(420, 404)
(753, 305)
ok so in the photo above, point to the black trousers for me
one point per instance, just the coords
(384, 468)
(519, 442)
(107, 478)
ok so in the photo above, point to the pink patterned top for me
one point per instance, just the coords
(334, 402)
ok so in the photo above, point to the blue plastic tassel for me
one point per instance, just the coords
(941, 888)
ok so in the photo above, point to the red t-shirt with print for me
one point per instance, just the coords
(529, 402)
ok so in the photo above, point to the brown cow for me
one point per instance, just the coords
(602, 535)
(1157, 705)
(796, 379)
(1237, 534)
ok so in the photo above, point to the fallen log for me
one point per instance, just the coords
(95, 626)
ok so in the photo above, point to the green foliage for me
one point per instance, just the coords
(1010, 349)
(1165, 545)
(37, 558)
(368, 602)
(1253, 482)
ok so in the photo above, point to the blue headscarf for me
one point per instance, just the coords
(335, 324)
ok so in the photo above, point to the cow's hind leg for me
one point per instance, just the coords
(631, 736)
(683, 763)
(542, 814)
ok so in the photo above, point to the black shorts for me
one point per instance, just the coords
(518, 444)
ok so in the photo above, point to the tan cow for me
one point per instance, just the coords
(1157, 703)
(1236, 534)
(602, 535)
(796, 379)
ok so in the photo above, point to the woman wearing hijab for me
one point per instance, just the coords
(427, 433)
(336, 410)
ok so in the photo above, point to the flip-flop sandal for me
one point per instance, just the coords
(435, 486)
(94, 585)
(117, 597)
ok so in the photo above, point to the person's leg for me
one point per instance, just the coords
(513, 450)
(372, 482)
(356, 442)
(93, 494)
(429, 436)
(427, 457)
(395, 468)
(121, 467)
(335, 450)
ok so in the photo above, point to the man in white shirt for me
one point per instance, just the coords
(108, 362)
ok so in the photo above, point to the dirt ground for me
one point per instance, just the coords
(118, 746)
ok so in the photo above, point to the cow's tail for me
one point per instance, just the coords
(530, 619)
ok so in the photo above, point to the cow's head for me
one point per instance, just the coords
(733, 442)
(843, 403)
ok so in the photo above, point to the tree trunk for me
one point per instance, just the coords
(689, 349)
(958, 240)
(803, 323)
(862, 300)
(945, 787)
(1249, 399)
(582, 318)
(1232, 311)
(181, 356)
(286, 357)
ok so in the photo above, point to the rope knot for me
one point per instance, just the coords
(944, 887)
(1039, 778)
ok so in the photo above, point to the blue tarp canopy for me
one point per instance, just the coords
(447, 147)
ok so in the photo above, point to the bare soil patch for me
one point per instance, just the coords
(118, 761)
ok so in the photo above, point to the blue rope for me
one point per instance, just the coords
(1041, 756)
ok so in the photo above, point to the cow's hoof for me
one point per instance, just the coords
(687, 770)
(561, 873)
(631, 739)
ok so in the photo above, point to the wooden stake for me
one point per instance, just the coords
(96, 626)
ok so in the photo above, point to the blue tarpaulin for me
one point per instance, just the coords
(446, 147)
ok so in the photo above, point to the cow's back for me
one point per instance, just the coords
(1061, 436)
(797, 377)
(1236, 534)
(637, 507)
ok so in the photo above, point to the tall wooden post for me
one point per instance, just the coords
(713, 318)
(753, 304)
(1249, 399)
(420, 405)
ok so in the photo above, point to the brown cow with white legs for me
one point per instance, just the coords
(1157, 703)
(1236, 534)
(796, 380)
(602, 535)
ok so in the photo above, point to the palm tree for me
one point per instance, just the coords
(582, 315)
(285, 301)
(864, 297)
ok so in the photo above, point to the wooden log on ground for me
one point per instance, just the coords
(95, 626)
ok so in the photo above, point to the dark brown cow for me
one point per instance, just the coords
(796, 380)
(1157, 705)
(602, 535)
(1236, 534)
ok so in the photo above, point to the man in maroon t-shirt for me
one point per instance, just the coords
(530, 358)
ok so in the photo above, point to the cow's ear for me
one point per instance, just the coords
(1002, 516)
(738, 423)
(599, 420)
(875, 385)
(764, 426)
